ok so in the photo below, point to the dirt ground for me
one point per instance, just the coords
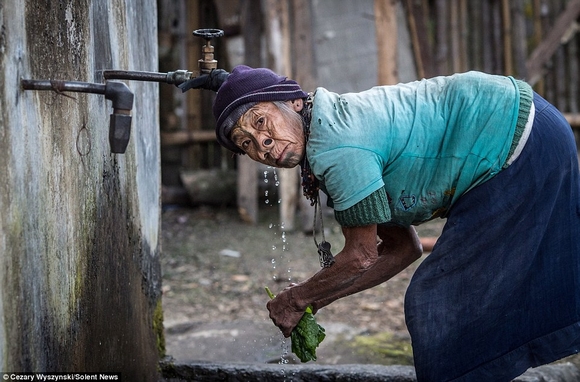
(216, 266)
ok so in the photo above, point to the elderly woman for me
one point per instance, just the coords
(500, 291)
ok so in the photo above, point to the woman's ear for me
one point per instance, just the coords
(297, 104)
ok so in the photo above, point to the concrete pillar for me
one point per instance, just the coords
(79, 227)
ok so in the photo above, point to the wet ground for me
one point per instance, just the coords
(216, 267)
(215, 270)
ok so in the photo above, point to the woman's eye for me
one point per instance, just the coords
(260, 121)
(245, 144)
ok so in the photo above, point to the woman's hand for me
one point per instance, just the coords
(284, 311)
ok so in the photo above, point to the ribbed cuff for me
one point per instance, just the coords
(374, 209)
(526, 99)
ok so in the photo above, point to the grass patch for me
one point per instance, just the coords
(383, 348)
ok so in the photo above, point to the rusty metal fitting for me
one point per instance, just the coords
(207, 62)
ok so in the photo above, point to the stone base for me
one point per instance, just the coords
(234, 372)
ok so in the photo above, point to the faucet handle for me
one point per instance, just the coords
(208, 34)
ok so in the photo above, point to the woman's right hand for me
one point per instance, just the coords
(285, 312)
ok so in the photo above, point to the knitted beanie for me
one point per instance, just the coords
(244, 88)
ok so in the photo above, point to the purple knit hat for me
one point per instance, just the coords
(244, 88)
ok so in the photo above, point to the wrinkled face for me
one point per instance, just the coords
(271, 135)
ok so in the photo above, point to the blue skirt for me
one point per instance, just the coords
(500, 292)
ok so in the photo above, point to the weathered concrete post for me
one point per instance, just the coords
(79, 226)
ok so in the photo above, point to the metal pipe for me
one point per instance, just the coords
(60, 86)
(177, 77)
(120, 95)
(117, 92)
(134, 75)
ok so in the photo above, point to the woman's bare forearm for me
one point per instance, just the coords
(400, 247)
(361, 265)
(358, 256)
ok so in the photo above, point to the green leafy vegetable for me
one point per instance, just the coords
(306, 336)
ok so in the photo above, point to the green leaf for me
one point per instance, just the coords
(306, 336)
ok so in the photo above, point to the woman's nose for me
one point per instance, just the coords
(266, 143)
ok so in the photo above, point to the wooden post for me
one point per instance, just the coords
(386, 35)
(419, 37)
(247, 178)
(302, 57)
(519, 38)
(303, 72)
(507, 37)
(279, 50)
(193, 99)
(278, 36)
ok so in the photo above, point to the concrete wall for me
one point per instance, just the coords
(79, 226)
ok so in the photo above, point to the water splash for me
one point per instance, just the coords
(284, 358)
(274, 277)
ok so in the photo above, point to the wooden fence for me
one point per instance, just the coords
(535, 40)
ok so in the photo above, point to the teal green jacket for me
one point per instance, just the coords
(406, 153)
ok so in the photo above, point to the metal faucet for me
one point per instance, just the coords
(118, 92)
(206, 64)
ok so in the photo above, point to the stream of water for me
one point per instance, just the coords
(280, 262)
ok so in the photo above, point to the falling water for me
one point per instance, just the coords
(278, 256)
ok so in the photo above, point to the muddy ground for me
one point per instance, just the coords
(216, 266)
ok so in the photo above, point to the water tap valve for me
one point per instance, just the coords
(207, 62)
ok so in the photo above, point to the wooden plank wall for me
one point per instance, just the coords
(535, 40)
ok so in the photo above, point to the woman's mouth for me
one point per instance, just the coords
(280, 157)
